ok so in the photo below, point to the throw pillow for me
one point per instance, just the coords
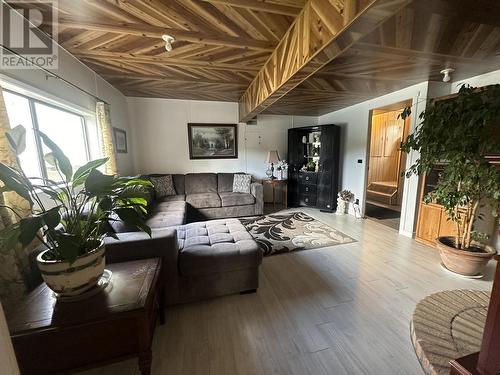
(164, 186)
(241, 183)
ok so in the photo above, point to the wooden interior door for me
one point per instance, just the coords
(378, 135)
(385, 142)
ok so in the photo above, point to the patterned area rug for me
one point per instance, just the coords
(293, 231)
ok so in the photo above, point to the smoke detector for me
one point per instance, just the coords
(168, 41)
(446, 74)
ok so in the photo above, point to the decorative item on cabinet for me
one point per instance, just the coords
(343, 200)
(282, 168)
(311, 166)
(313, 176)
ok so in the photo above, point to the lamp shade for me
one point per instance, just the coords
(272, 157)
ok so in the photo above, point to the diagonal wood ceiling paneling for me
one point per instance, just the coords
(220, 44)
(411, 47)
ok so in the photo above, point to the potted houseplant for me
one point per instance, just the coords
(459, 133)
(344, 197)
(72, 229)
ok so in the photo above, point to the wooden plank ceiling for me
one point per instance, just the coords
(410, 47)
(221, 45)
(219, 48)
(320, 34)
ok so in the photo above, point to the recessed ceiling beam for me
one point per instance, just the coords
(288, 10)
(318, 35)
(150, 31)
(126, 57)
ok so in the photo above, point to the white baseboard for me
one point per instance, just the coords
(406, 233)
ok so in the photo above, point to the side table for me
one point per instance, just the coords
(51, 336)
(274, 183)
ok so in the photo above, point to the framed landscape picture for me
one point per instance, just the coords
(120, 140)
(213, 141)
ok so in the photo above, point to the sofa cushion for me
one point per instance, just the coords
(162, 220)
(216, 246)
(196, 183)
(119, 226)
(167, 214)
(241, 183)
(179, 183)
(163, 186)
(169, 206)
(204, 200)
(236, 199)
(173, 198)
(225, 182)
(177, 178)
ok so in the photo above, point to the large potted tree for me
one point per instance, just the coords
(72, 227)
(459, 133)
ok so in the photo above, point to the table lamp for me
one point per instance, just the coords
(272, 157)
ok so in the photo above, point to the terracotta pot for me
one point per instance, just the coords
(76, 278)
(464, 262)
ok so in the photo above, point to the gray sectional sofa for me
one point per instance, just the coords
(208, 196)
(202, 257)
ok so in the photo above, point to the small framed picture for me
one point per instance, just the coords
(213, 141)
(120, 140)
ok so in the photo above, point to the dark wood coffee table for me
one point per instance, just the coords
(118, 323)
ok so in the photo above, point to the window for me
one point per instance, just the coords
(71, 131)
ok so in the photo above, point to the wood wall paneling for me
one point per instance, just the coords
(386, 136)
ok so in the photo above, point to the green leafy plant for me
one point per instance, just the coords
(84, 203)
(458, 133)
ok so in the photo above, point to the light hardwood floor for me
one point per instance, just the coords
(337, 310)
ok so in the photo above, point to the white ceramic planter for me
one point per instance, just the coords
(72, 279)
(342, 206)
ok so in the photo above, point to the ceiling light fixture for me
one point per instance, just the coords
(446, 74)
(168, 41)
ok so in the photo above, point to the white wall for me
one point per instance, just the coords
(490, 78)
(72, 70)
(160, 136)
(355, 122)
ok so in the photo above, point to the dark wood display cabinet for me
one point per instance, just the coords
(313, 172)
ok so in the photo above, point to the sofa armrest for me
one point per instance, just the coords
(257, 191)
(138, 245)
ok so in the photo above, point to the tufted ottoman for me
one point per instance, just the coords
(216, 257)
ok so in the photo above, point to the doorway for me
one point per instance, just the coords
(386, 163)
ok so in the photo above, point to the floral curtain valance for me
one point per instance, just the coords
(13, 262)
(106, 134)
